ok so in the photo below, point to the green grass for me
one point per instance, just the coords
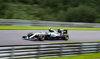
(42, 28)
(87, 56)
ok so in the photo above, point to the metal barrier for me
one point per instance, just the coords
(48, 50)
(12, 22)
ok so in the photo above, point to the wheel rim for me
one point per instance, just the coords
(66, 37)
(42, 37)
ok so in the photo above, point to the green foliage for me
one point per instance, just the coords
(20, 11)
(46, 14)
(77, 14)
(80, 14)
(51, 10)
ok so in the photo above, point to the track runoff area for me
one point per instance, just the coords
(14, 37)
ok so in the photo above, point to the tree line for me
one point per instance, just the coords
(51, 10)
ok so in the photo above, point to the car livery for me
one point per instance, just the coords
(51, 35)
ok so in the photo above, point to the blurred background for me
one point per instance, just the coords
(87, 11)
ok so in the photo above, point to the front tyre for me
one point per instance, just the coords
(42, 37)
(24, 36)
(66, 37)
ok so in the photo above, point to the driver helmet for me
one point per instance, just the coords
(60, 30)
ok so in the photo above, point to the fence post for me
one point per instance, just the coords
(12, 52)
(80, 49)
(60, 52)
(98, 47)
(38, 52)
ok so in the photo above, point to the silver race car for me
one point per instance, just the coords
(51, 35)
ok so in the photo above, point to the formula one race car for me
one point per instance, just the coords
(52, 34)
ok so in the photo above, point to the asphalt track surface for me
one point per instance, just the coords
(14, 37)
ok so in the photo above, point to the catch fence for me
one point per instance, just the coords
(48, 50)
(12, 22)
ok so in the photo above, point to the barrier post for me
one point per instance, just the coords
(12, 52)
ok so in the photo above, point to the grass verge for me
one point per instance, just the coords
(42, 28)
(87, 56)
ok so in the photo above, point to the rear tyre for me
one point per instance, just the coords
(66, 37)
(42, 37)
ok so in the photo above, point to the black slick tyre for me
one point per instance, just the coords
(66, 37)
(24, 36)
(42, 37)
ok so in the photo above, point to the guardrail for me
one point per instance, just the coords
(12, 22)
(48, 50)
